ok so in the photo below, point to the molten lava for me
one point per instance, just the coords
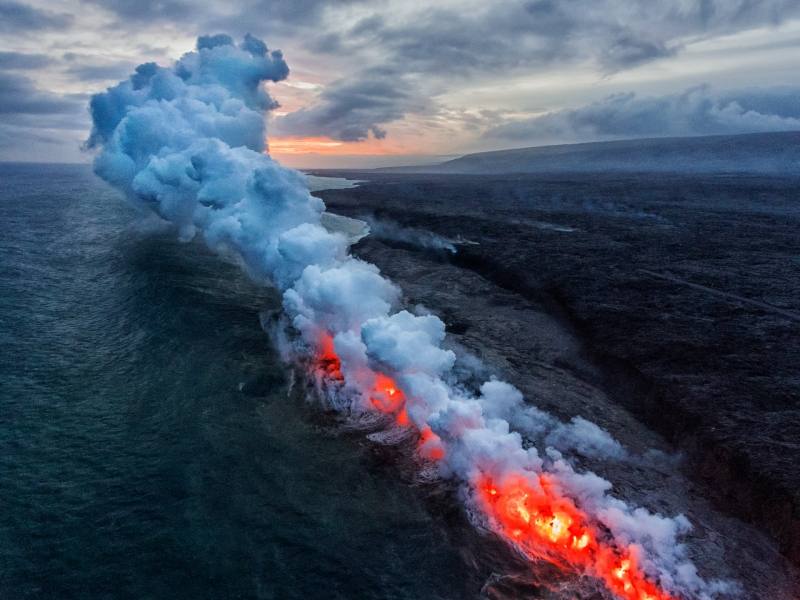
(386, 396)
(430, 445)
(548, 526)
(526, 509)
(327, 360)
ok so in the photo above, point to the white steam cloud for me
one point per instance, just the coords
(188, 142)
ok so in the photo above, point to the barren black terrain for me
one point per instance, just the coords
(663, 300)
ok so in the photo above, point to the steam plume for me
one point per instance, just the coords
(188, 142)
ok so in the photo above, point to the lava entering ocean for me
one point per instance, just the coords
(525, 509)
(385, 396)
(188, 142)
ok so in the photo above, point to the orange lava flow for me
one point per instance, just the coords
(549, 526)
(388, 398)
(327, 360)
(535, 518)
(430, 445)
(385, 397)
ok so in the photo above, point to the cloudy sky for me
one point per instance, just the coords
(397, 81)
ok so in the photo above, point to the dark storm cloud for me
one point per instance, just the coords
(329, 43)
(399, 57)
(295, 11)
(23, 61)
(447, 41)
(697, 111)
(101, 72)
(361, 32)
(11, 135)
(93, 67)
(301, 21)
(529, 33)
(628, 51)
(16, 17)
(514, 37)
(19, 142)
(351, 109)
(152, 10)
(252, 15)
(30, 117)
(368, 25)
(18, 95)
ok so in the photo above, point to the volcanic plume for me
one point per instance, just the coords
(188, 143)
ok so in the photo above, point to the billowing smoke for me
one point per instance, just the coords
(188, 142)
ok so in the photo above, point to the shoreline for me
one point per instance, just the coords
(729, 480)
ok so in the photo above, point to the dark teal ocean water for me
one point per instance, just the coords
(132, 465)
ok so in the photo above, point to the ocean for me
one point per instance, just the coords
(151, 442)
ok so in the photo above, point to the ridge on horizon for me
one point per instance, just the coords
(762, 152)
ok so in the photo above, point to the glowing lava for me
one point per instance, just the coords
(530, 515)
(430, 445)
(327, 360)
(385, 397)
(526, 509)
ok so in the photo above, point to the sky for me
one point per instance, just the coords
(390, 82)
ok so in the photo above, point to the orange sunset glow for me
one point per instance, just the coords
(325, 152)
(323, 145)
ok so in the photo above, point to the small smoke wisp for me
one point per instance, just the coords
(386, 229)
(187, 141)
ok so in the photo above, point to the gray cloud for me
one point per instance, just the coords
(500, 36)
(11, 135)
(18, 95)
(397, 57)
(351, 109)
(335, 41)
(22, 143)
(101, 71)
(23, 61)
(520, 34)
(696, 111)
(296, 11)
(94, 67)
(152, 10)
(368, 25)
(309, 23)
(16, 17)
(627, 50)
(249, 15)
(514, 37)
(37, 125)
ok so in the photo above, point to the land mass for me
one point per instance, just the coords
(773, 153)
(680, 289)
